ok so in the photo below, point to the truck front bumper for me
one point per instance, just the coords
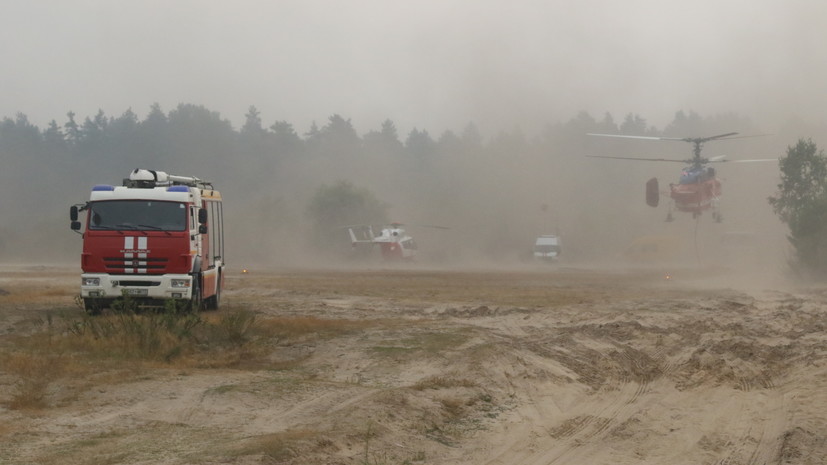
(160, 287)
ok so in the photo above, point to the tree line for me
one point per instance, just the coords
(194, 133)
(272, 175)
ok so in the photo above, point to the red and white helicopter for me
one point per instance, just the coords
(698, 189)
(394, 242)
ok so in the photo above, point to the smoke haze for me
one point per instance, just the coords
(527, 76)
(430, 64)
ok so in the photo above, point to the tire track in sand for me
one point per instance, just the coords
(546, 432)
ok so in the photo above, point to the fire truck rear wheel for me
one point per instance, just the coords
(215, 301)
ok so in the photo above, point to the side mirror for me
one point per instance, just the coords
(202, 215)
(202, 229)
(75, 225)
(73, 213)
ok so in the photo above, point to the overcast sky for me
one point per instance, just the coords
(430, 64)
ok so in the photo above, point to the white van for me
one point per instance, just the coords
(547, 248)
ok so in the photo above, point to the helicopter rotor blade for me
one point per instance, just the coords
(729, 135)
(396, 224)
(632, 137)
(705, 139)
(641, 159)
(723, 159)
(750, 161)
(417, 225)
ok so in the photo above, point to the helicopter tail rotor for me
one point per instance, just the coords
(652, 192)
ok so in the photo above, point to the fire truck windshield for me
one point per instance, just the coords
(138, 215)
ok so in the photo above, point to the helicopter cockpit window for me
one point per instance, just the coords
(690, 175)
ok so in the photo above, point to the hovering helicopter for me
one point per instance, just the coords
(394, 242)
(698, 188)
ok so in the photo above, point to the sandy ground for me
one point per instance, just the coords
(533, 366)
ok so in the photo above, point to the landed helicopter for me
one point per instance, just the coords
(394, 242)
(698, 189)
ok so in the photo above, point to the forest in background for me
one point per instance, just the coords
(495, 193)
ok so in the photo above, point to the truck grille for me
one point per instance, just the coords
(139, 283)
(148, 264)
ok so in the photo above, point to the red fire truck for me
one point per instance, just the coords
(156, 237)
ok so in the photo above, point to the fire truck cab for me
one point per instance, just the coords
(156, 237)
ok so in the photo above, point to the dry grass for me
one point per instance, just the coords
(298, 328)
(31, 294)
(86, 348)
(442, 382)
(273, 385)
(34, 374)
(182, 339)
(279, 446)
(516, 288)
(454, 406)
(428, 342)
(147, 443)
(34, 288)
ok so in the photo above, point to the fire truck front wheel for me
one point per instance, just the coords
(94, 306)
(196, 303)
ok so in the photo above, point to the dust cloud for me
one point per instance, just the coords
(496, 200)
(523, 76)
(494, 195)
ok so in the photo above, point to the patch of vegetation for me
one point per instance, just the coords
(433, 343)
(86, 346)
(143, 444)
(333, 207)
(279, 447)
(438, 342)
(441, 382)
(391, 350)
(801, 203)
(224, 388)
(291, 329)
(126, 334)
(34, 373)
